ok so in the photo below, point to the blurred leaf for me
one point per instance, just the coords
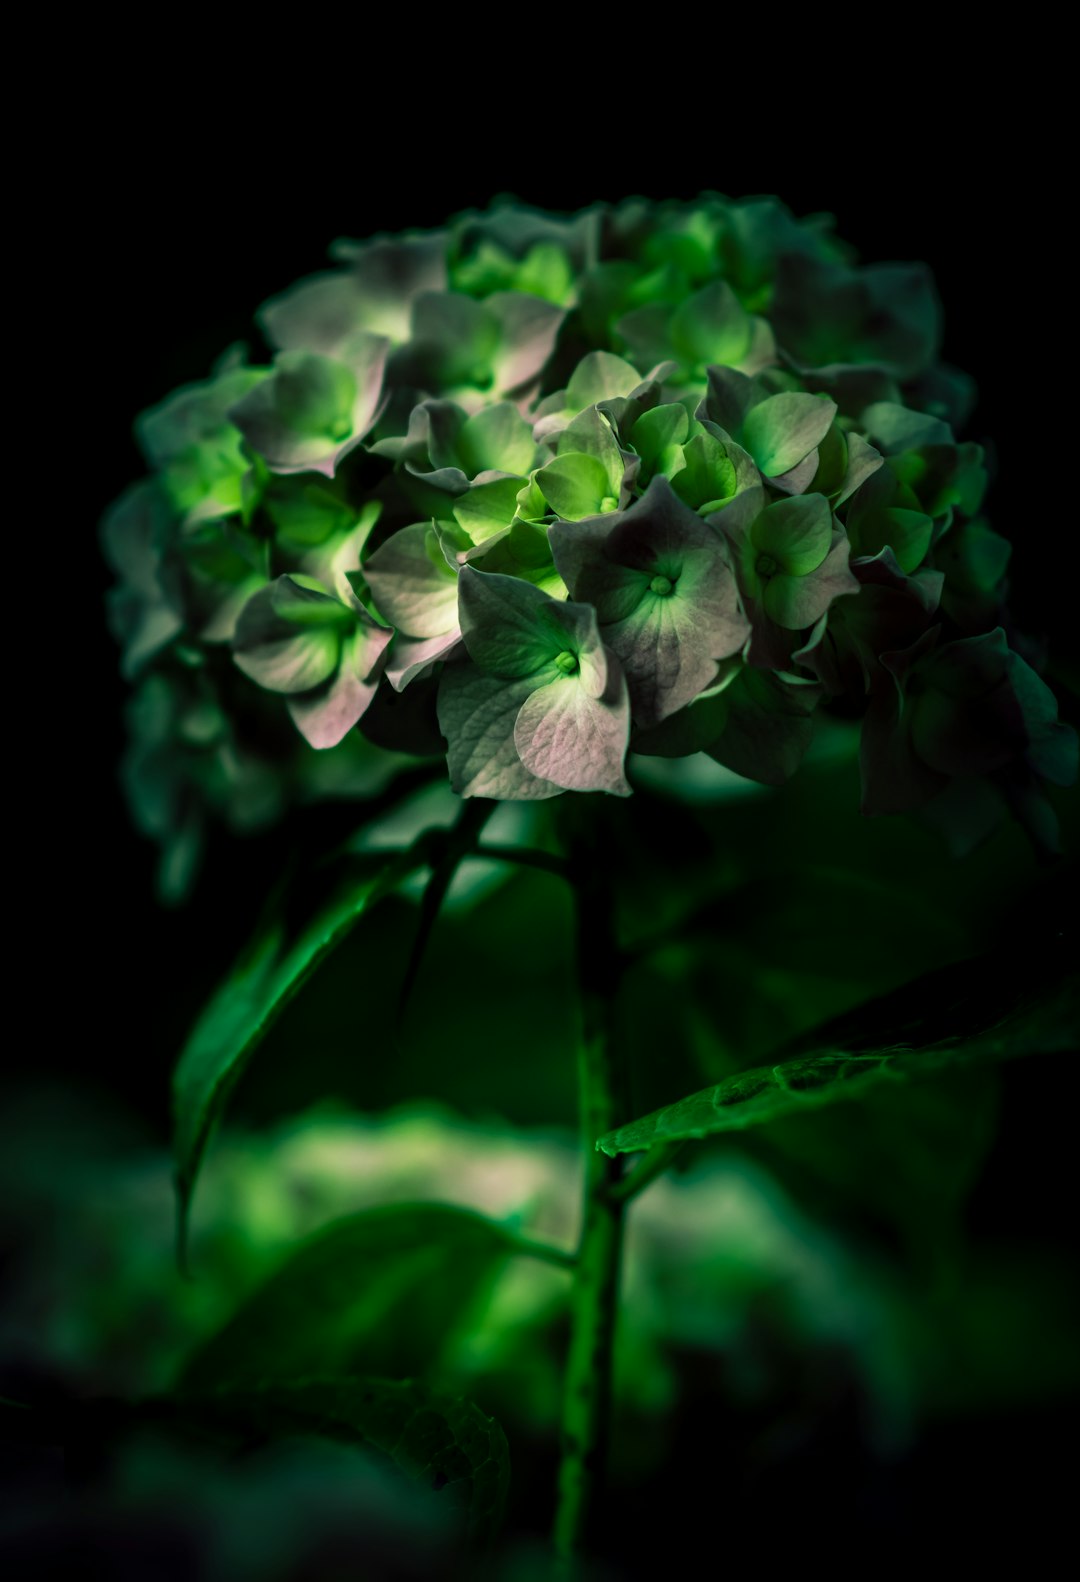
(302, 924)
(896, 1168)
(524, 928)
(383, 1291)
(994, 1008)
(436, 1440)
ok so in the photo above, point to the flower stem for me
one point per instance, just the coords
(657, 1160)
(594, 1299)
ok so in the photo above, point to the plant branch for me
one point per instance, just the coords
(456, 843)
(526, 857)
(657, 1160)
(594, 1301)
(545, 1253)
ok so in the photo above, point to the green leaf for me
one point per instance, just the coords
(296, 934)
(445, 422)
(386, 1290)
(728, 399)
(992, 1008)
(885, 513)
(897, 428)
(646, 331)
(436, 1440)
(325, 311)
(194, 417)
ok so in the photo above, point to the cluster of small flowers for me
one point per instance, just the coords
(537, 492)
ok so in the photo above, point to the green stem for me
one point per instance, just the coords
(556, 1256)
(525, 857)
(453, 845)
(656, 1161)
(594, 1300)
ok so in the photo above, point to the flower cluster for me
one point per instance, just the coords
(538, 492)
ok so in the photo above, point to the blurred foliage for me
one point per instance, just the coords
(737, 1300)
(814, 1294)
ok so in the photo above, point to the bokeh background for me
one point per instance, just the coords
(854, 1327)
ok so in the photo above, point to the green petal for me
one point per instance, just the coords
(477, 715)
(575, 486)
(291, 664)
(527, 329)
(454, 341)
(727, 400)
(496, 439)
(707, 477)
(314, 394)
(590, 434)
(305, 514)
(657, 437)
(796, 533)
(288, 636)
(797, 602)
(486, 508)
(784, 428)
(576, 741)
(327, 718)
(599, 376)
(413, 586)
(511, 629)
(710, 327)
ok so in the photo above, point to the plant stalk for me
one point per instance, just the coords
(594, 1300)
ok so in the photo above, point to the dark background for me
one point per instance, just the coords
(162, 247)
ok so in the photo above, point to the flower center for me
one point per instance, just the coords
(566, 662)
(662, 585)
(766, 566)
